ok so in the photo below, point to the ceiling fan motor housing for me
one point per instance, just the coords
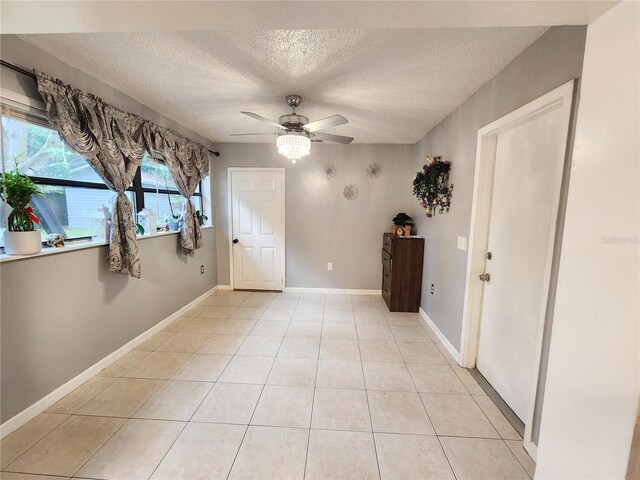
(293, 121)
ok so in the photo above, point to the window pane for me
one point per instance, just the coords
(155, 174)
(72, 211)
(159, 203)
(40, 152)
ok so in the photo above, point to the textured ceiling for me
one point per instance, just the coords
(392, 85)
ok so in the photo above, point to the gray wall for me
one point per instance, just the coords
(551, 61)
(321, 225)
(62, 313)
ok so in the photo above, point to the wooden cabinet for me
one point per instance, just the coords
(402, 272)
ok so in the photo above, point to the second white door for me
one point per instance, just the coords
(257, 228)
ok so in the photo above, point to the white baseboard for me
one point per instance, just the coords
(41, 405)
(350, 291)
(224, 287)
(454, 353)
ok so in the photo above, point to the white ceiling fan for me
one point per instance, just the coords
(295, 133)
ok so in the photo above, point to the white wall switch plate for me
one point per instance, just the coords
(329, 266)
(462, 243)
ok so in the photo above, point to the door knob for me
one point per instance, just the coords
(235, 240)
(485, 277)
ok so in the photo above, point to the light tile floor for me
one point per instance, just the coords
(275, 386)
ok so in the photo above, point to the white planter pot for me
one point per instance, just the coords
(22, 243)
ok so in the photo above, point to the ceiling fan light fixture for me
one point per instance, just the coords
(293, 145)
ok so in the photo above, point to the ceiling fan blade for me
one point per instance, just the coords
(332, 121)
(330, 137)
(244, 134)
(263, 119)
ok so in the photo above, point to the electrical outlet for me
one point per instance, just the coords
(462, 243)
(433, 289)
(201, 269)
(330, 266)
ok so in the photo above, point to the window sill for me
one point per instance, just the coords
(82, 245)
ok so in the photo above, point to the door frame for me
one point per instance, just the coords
(230, 171)
(561, 99)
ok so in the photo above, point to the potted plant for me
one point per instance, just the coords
(174, 221)
(201, 217)
(402, 224)
(431, 186)
(20, 238)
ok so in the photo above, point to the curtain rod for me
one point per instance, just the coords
(31, 74)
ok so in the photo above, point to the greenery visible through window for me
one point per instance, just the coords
(75, 198)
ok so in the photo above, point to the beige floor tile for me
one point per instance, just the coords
(313, 296)
(157, 365)
(338, 305)
(202, 452)
(468, 381)
(178, 324)
(277, 314)
(374, 332)
(420, 353)
(124, 363)
(270, 328)
(307, 316)
(457, 415)
(398, 412)
(210, 300)
(27, 476)
(81, 395)
(387, 376)
(410, 333)
(369, 318)
(435, 378)
(222, 344)
(341, 455)
(155, 341)
(68, 447)
(339, 349)
(340, 374)
(258, 346)
(523, 457)
(497, 419)
(18, 442)
(270, 453)
(174, 400)
(294, 372)
(366, 307)
(284, 407)
(295, 347)
(379, 351)
(304, 330)
(481, 459)
(339, 296)
(310, 304)
(229, 301)
(339, 330)
(247, 313)
(411, 457)
(233, 326)
(217, 311)
(338, 316)
(183, 342)
(445, 353)
(134, 451)
(122, 398)
(229, 403)
(399, 318)
(247, 370)
(256, 302)
(341, 409)
(364, 298)
(202, 325)
(289, 303)
(195, 311)
(202, 367)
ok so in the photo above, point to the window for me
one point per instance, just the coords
(75, 199)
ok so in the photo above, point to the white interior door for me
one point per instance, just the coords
(257, 230)
(527, 180)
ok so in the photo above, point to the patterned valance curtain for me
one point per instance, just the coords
(188, 163)
(114, 143)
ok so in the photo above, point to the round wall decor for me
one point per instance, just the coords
(350, 192)
(374, 170)
(329, 171)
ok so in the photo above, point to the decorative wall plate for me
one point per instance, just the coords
(374, 170)
(329, 171)
(350, 192)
